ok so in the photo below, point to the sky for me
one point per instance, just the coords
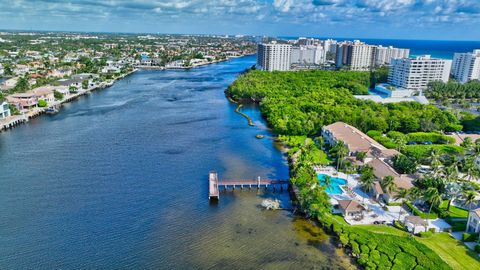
(401, 19)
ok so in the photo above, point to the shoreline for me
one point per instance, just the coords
(15, 120)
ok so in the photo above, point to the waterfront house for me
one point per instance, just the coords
(23, 101)
(351, 208)
(381, 170)
(415, 224)
(45, 93)
(355, 140)
(473, 223)
(4, 110)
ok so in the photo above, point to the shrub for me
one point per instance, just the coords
(477, 248)
(433, 137)
(426, 234)
(417, 212)
(344, 239)
(42, 103)
(374, 133)
(469, 237)
(355, 248)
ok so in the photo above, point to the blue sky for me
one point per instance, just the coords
(408, 19)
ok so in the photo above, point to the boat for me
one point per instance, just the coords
(259, 136)
(51, 110)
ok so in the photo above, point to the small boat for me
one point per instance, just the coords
(259, 136)
(51, 110)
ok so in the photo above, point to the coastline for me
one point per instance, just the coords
(15, 120)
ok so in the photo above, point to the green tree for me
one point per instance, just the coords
(57, 95)
(42, 103)
(367, 178)
(469, 198)
(328, 182)
(85, 84)
(388, 184)
(433, 197)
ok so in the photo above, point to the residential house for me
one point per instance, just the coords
(4, 110)
(473, 223)
(23, 101)
(45, 93)
(9, 84)
(355, 140)
(381, 170)
(377, 156)
(351, 208)
(415, 224)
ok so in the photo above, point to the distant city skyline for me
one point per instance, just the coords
(382, 19)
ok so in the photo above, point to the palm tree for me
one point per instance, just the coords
(414, 194)
(402, 194)
(341, 151)
(469, 198)
(433, 197)
(388, 184)
(327, 182)
(470, 168)
(400, 141)
(367, 179)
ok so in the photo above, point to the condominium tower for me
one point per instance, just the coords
(274, 56)
(416, 73)
(355, 55)
(383, 55)
(466, 66)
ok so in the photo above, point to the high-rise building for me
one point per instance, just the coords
(466, 66)
(308, 55)
(274, 56)
(383, 55)
(355, 55)
(416, 73)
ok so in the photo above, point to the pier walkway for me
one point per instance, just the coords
(215, 184)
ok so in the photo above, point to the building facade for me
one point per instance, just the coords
(274, 56)
(384, 55)
(355, 55)
(308, 55)
(416, 73)
(4, 110)
(466, 66)
(473, 223)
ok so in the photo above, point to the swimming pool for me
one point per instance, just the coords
(335, 186)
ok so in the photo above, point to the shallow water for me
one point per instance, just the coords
(118, 179)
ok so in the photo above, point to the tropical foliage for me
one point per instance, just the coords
(301, 103)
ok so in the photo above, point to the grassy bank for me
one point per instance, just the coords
(454, 252)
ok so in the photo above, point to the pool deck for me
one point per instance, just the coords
(352, 191)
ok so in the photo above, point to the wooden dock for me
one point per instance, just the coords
(215, 184)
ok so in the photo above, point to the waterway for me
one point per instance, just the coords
(118, 179)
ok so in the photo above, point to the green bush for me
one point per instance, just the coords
(433, 137)
(419, 213)
(374, 133)
(422, 152)
(469, 237)
(477, 248)
(42, 103)
(426, 234)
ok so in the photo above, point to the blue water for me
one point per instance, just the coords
(335, 186)
(118, 180)
(436, 48)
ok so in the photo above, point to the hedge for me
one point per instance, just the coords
(421, 152)
(384, 251)
(469, 237)
(433, 137)
(419, 213)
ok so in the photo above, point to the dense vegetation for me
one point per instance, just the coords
(301, 103)
(441, 91)
(372, 250)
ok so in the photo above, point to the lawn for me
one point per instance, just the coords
(453, 252)
(454, 211)
(383, 229)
